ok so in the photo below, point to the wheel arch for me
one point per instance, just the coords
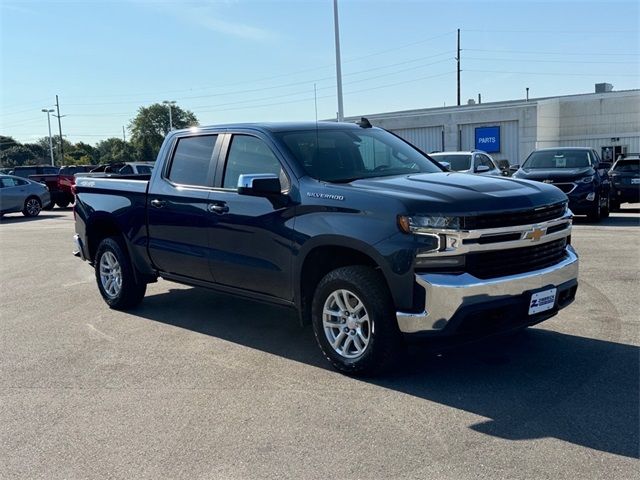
(323, 255)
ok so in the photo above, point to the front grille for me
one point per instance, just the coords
(513, 261)
(565, 187)
(511, 219)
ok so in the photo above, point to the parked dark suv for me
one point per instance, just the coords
(625, 180)
(577, 171)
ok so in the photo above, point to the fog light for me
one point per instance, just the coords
(591, 196)
(452, 262)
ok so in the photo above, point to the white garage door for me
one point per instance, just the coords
(427, 139)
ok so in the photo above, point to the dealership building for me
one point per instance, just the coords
(606, 120)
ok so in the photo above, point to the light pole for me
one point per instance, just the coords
(336, 27)
(48, 112)
(170, 103)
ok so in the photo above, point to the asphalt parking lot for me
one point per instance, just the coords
(195, 384)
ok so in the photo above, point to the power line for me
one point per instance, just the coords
(611, 74)
(568, 32)
(545, 61)
(275, 87)
(289, 74)
(608, 54)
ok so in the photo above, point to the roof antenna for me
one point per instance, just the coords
(315, 100)
(364, 123)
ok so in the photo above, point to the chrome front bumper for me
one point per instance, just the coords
(446, 294)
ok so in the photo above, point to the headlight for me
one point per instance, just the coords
(427, 224)
(588, 179)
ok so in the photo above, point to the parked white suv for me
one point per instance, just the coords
(475, 161)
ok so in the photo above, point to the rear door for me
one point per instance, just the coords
(12, 193)
(251, 237)
(177, 208)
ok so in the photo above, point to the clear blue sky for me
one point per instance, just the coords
(256, 60)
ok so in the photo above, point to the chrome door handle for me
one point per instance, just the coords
(158, 203)
(218, 208)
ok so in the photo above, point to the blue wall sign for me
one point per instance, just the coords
(488, 139)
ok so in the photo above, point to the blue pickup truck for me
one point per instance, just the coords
(367, 237)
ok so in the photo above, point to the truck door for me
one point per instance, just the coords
(251, 236)
(178, 218)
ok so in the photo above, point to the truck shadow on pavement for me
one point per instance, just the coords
(535, 384)
(22, 219)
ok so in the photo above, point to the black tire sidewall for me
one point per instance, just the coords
(385, 334)
(132, 291)
(26, 212)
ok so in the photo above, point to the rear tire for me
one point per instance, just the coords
(615, 205)
(595, 214)
(115, 276)
(32, 207)
(606, 209)
(354, 321)
(63, 203)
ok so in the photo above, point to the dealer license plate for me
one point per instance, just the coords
(635, 180)
(542, 301)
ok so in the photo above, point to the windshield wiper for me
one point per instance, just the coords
(345, 180)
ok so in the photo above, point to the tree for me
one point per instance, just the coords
(151, 124)
(81, 154)
(7, 142)
(17, 155)
(115, 150)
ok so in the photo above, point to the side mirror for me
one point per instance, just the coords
(482, 168)
(514, 168)
(259, 184)
(445, 165)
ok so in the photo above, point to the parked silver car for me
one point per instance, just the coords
(475, 161)
(22, 195)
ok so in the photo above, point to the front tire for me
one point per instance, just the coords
(62, 203)
(354, 321)
(115, 276)
(32, 207)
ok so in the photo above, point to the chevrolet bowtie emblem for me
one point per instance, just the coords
(535, 234)
(547, 181)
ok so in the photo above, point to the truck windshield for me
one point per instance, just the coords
(558, 159)
(458, 162)
(627, 166)
(342, 155)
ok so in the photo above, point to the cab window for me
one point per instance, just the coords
(191, 160)
(247, 155)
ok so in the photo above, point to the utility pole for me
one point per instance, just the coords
(458, 59)
(169, 103)
(124, 137)
(48, 112)
(338, 63)
(60, 129)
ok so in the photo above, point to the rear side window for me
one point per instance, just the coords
(24, 172)
(191, 160)
(7, 182)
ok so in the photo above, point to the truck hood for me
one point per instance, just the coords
(461, 193)
(555, 175)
